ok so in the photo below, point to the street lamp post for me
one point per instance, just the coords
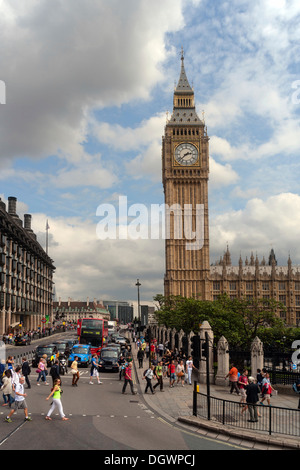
(138, 284)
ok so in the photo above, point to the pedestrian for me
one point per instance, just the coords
(20, 401)
(122, 366)
(140, 357)
(180, 373)
(242, 384)
(94, 370)
(298, 391)
(172, 375)
(54, 371)
(266, 390)
(41, 370)
(7, 388)
(233, 379)
(10, 362)
(189, 369)
(26, 371)
(56, 393)
(259, 378)
(128, 379)
(75, 372)
(2, 370)
(158, 372)
(16, 374)
(152, 350)
(149, 374)
(252, 392)
(160, 348)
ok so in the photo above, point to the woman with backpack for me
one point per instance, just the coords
(266, 390)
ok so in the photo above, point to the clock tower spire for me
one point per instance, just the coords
(185, 168)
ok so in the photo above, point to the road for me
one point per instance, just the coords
(100, 418)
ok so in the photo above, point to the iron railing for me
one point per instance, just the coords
(271, 420)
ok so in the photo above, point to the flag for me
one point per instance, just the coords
(47, 226)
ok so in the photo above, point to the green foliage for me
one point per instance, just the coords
(239, 320)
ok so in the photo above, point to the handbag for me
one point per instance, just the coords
(38, 371)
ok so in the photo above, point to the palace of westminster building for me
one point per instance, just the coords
(189, 273)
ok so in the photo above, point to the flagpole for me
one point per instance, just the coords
(47, 228)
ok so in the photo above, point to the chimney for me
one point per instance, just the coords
(87, 301)
(2, 205)
(12, 206)
(27, 222)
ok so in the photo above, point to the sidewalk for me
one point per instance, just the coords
(176, 405)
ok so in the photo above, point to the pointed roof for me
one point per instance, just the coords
(183, 85)
(184, 111)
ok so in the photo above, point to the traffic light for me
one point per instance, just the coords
(195, 349)
(203, 350)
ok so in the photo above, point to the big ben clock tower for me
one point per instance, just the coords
(185, 169)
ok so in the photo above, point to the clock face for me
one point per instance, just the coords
(186, 154)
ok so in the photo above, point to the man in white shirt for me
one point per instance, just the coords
(161, 349)
(148, 376)
(189, 369)
(20, 402)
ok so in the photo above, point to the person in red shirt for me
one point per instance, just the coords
(152, 350)
(233, 379)
(128, 379)
(172, 374)
(242, 383)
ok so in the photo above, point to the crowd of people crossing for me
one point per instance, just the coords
(162, 364)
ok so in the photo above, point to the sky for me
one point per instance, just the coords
(87, 89)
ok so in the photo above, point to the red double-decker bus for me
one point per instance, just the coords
(93, 331)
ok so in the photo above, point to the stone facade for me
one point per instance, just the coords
(26, 273)
(185, 171)
(185, 176)
(73, 310)
(254, 279)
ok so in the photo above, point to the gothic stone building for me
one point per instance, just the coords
(185, 173)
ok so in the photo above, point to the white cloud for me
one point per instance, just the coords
(127, 138)
(221, 175)
(87, 266)
(61, 60)
(262, 224)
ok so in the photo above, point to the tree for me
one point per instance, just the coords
(239, 320)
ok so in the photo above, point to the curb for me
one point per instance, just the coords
(280, 442)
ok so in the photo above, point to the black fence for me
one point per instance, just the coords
(277, 363)
(271, 419)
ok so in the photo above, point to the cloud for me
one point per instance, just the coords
(262, 224)
(87, 266)
(59, 61)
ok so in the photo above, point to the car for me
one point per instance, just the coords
(114, 346)
(72, 342)
(120, 340)
(63, 347)
(84, 354)
(22, 340)
(109, 359)
(50, 350)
